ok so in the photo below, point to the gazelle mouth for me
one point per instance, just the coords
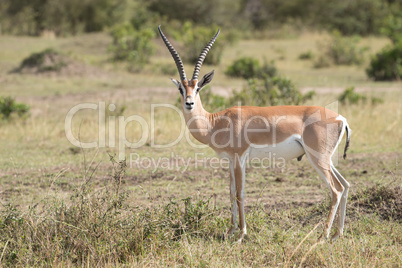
(189, 107)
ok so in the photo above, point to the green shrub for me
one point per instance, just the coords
(263, 89)
(195, 38)
(246, 68)
(270, 92)
(44, 61)
(268, 69)
(392, 28)
(259, 92)
(322, 62)
(199, 12)
(8, 107)
(306, 55)
(344, 50)
(212, 102)
(340, 50)
(249, 67)
(131, 45)
(349, 96)
(167, 69)
(387, 64)
(353, 17)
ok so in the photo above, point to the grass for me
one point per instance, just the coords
(101, 226)
(48, 194)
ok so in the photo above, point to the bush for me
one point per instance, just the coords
(340, 50)
(306, 55)
(211, 101)
(268, 69)
(199, 12)
(246, 68)
(349, 96)
(361, 17)
(344, 50)
(249, 67)
(45, 61)
(270, 92)
(387, 64)
(131, 45)
(263, 89)
(392, 28)
(63, 17)
(195, 38)
(259, 92)
(167, 69)
(8, 107)
(322, 62)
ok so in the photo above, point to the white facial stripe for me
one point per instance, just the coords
(195, 92)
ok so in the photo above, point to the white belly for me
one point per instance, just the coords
(287, 149)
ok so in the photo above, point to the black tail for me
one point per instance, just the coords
(348, 134)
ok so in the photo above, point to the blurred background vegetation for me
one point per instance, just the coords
(69, 17)
(132, 25)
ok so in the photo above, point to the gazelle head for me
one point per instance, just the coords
(189, 89)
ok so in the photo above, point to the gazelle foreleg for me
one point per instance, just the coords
(240, 176)
(233, 202)
(237, 194)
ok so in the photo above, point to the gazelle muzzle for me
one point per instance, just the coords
(189, 102)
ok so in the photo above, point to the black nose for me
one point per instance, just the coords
(189, 103)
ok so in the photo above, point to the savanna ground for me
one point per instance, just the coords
(66, 206)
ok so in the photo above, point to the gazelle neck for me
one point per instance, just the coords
(199, 122)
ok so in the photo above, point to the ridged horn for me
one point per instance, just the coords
(175, 55)
(202, 56)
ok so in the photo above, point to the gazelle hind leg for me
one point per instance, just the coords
(337, 190)
(320, 140)
(324, 171)
(344, 198)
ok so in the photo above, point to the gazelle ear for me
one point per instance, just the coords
(176, 82)
(205, 80)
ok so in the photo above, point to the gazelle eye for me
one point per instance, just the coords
(181, 90)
